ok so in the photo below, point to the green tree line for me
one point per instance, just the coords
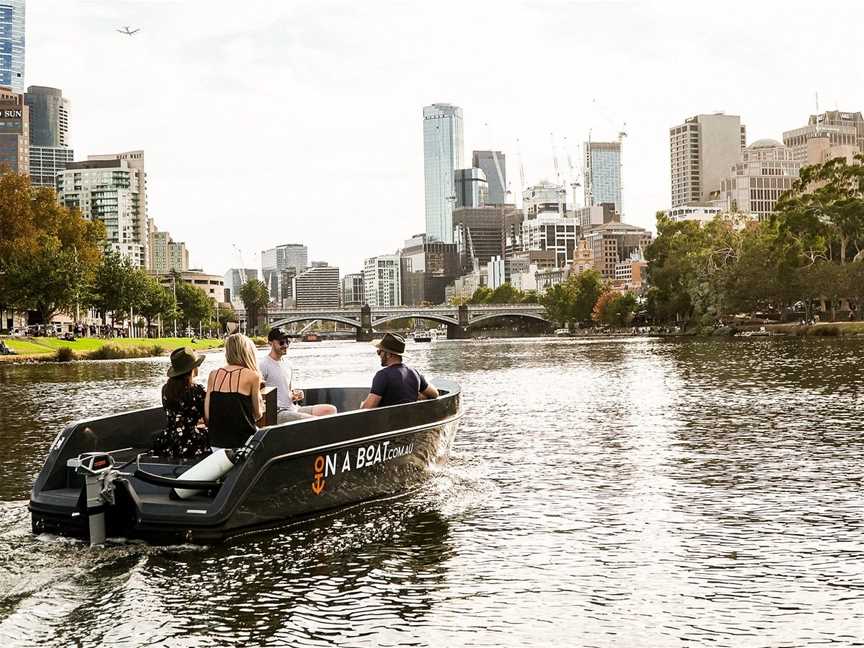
(810, 251)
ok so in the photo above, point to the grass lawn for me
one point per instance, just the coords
(50, 344)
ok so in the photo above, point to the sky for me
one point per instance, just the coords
(300, 121)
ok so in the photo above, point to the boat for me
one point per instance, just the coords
(311, 337)
(422, 336)
(101, 481)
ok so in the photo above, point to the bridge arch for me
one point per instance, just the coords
(443, 319)
(483, 318)
(310, 318)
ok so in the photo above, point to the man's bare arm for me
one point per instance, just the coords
(372, 401)
(428, 393)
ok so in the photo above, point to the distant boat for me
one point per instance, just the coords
(422, 336)
(311, 337)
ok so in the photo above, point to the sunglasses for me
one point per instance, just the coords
(285, 343)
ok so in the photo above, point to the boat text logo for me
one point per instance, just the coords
(339, 462)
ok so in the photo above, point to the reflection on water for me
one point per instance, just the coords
(600, 493)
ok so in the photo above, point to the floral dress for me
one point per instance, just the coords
(181, 436)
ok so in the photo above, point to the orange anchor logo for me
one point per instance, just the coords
(318, 483)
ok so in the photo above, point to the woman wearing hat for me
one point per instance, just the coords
(183, 401)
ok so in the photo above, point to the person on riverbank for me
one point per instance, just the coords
(279, 374)
(234, 402)
(396, 383)
(184, 434)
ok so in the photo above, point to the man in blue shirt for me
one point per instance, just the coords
(395, 383)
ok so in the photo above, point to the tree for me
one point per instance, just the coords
(255, 298)
(47, 252)
(558, 302)
(112, 284)
(481, 296)
(826, 205)
(530, 297)
(587, 288)
(226, 314)
(156, 301)
(505, 294)
(599, 314)
(193, 305)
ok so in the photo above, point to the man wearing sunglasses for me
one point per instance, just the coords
(396, 383)
(279, 374)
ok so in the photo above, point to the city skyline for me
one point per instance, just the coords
(332, 57)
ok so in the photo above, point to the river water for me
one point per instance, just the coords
(627, 492)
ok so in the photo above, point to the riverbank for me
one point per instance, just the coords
(51, 349)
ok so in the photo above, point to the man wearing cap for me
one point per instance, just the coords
(279, 374)
(396, 383)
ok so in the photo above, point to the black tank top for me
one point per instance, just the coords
(231, 420)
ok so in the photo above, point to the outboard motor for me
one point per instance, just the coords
(94, 467)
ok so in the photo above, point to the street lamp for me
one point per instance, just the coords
(174, 288)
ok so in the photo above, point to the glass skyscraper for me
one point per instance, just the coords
(603, 173)
(12, 45)
(442, 155)
(494, 165)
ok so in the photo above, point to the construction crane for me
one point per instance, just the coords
(242, 269)
(521, 168)
(573, 174)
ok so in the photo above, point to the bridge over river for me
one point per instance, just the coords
(457, 318)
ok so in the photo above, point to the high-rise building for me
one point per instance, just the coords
(14, 131)
(317, 287)
(480, 233)
(49, 116)
(234, 280)
(382, 280)
(614, 242)
(596, 215)
(135, 163)
(471, 188)
(548, 231)
(49, 134)
(603, 174)
(702, 150)
(544, 197)
(840, 130)
(494, 166)
(427, 268)
(352, 289)
(12, 45)
(767, 169)
(282, 257)
(110, 190)
(442, 155)
(167, 255)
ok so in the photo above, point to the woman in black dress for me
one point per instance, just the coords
(184, 435)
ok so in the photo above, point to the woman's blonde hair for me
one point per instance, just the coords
(240, 351)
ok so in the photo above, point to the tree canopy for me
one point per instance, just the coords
(48, 253)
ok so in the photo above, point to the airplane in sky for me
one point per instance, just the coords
(127, 31)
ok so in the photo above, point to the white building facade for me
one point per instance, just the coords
(382, 280)
(110, 191)
(768, 169)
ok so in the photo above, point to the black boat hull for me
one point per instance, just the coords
(293, 471)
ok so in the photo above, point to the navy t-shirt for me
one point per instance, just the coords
(397, 384)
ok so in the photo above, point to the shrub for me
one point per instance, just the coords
(826, 331)
(65, 354)
(259, 340)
